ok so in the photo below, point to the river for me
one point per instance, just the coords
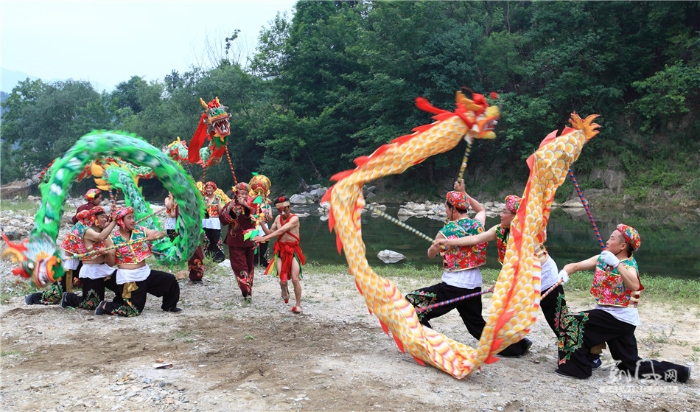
(669, 247)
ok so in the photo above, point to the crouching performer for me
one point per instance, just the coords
(288, 257)
(614, 318)
(95, 274)
(134, 276)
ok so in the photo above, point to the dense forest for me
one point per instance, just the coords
(338, 79)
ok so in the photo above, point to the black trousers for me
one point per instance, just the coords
(260, 258)
(585, 330)
(159, 284)
(94, 292)
(213, 235)
(469, 310)
(552, 308)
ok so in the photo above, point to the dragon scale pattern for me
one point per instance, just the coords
(516, 295)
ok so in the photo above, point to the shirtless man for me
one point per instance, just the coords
(95, 274)
(288, 257)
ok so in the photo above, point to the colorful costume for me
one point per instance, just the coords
(241, 251)
(136, 283)
(212, 226)
(460, 276)
(95, 277)
(552, 305)
(613, 321)
(287, 252)
(89, 196)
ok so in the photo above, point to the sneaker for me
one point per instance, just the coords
(100, 308)
(63, 300)
(528, 345)
(28, 300)
(683, 374)
(596, 363)
(174, 310)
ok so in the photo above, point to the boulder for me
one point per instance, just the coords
(298, 199)
(389, 256)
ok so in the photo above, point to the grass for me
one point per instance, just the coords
(657, 288)
(20, 206)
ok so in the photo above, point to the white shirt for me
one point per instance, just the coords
(132, 275)
(627, 315)
(466, 279)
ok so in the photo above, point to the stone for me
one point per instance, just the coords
(389, 256)
(298, 199)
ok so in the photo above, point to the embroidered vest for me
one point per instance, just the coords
(135, 253)
(502, 245)
(212, 208)
(464, 257)
(73, 242)
(608, 288)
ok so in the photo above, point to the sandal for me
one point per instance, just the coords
(296, 310)
(285, 295)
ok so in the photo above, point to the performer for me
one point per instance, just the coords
(461, 275)
(211, 223)
(554, 303)
(53, 295)
(195, 263)
(237, 216)
(93, 198)
(288, 257)
(95, 274)
(170, 216)
(261, 255)
(134, 276)
(614, 318)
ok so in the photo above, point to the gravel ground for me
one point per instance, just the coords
(228, 355)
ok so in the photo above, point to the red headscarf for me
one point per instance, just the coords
(631, 236)
(457, 199)
(92, 194)
(121, 213)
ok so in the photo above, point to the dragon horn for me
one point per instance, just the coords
(204, 105)
(217, 101)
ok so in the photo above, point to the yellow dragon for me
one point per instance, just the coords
(515, 301)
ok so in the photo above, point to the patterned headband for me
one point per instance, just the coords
(121, 213)
(282, 202)
(92, 194)
(513, 203)
(457, 199)
(631, 236)
(210, 183)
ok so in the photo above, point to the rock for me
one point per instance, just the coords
(405, 212)
(225, 264)
(573, 203)
(314, 187)
(389, 256)
(298, 199)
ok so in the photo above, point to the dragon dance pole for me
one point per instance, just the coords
(463, 166)
(118, 245)
(588, 210)
(449, 301)
(150, 215)
(230, 165)
(398, 222)
(590, 217)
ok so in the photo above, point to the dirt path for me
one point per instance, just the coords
(231, 356)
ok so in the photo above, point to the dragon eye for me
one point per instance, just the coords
(30, 265)
(58, 260)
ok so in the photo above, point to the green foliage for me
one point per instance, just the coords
(338, 79)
